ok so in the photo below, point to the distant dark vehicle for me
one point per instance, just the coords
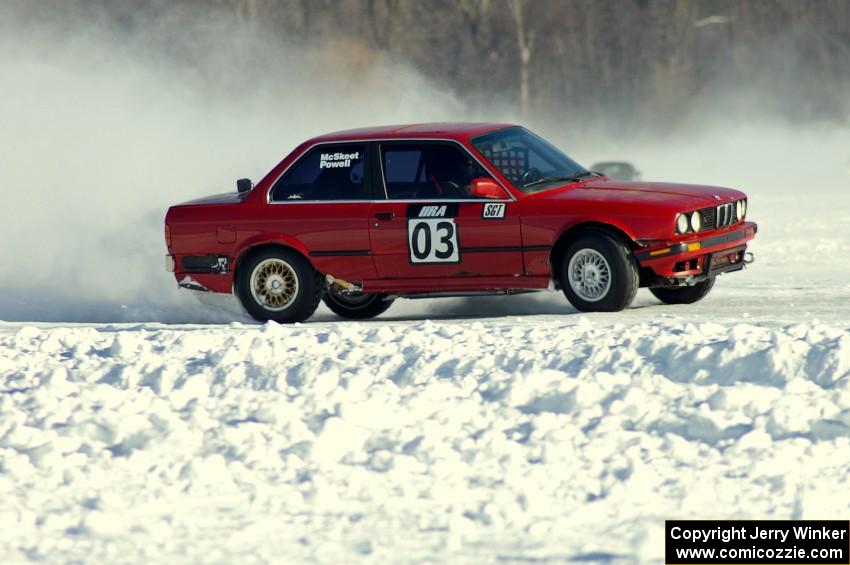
(617, 170)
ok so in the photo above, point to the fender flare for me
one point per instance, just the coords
(569, 231)
(269, 239)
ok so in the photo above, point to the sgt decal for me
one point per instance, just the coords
(493, 211)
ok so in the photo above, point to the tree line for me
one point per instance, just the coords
(636, 61)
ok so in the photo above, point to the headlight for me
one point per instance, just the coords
(682, 223)
(696, 221)
(743, 208)
(739, 209)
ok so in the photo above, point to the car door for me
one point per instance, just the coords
(324, 200)
(429, 226)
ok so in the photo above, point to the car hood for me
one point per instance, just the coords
(668, 195)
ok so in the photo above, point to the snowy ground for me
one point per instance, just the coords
(492, 430)
(534, 438)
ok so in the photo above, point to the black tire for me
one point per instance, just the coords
(623, 279)
(356, 307)
(683, 294)
(295, 308)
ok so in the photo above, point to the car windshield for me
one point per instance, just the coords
(529, 162)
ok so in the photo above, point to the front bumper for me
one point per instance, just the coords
(696, 259)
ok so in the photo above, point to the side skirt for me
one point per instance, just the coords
(453, 286)
(464, 294)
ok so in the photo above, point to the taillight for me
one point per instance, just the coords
(167, 235)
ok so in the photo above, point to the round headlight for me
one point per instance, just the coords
(743, 208)
(682, 223)
(739, 209)
(696, 221)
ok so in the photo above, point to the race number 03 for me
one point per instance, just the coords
(432, 240)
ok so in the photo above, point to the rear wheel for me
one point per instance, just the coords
(356, 306)
(278, 284)
(683, 294)
(599, 274)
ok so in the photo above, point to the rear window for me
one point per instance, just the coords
(327, 172)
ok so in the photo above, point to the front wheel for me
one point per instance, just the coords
(683, 294)
(278, 284)
(356, 306)
(599, 274)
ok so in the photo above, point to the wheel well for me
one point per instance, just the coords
(556, 256)
(256, 249)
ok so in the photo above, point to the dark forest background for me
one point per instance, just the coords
(640, 62)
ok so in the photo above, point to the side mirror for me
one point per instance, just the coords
(244, 185)
(486, 188)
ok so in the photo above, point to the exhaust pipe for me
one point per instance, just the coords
(345, 286)
(191, 284)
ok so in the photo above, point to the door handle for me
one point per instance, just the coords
(385, 216)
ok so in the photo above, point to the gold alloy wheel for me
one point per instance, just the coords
(274, 284)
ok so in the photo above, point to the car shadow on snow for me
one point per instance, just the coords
(476, 307)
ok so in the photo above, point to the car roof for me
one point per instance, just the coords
(449, 130)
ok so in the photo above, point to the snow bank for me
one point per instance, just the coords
(558, 438)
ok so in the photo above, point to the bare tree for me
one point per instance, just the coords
(525, 47)
(634, 60)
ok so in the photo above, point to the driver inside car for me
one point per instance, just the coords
(450, 173)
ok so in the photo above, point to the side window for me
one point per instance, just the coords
(436, 171)
(327, 172)
(403, 166)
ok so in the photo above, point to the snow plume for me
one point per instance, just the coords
(103, 125)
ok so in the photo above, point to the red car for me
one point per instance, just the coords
(358, 218)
